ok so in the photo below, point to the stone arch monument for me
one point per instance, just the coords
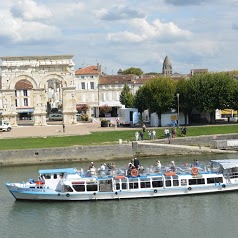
(37, 71)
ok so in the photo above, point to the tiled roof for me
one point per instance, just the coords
(123, 79)
(23, 85)
(88, 70)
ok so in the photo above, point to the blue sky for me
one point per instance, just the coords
(124, 33)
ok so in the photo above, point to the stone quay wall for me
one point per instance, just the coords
(124, 150)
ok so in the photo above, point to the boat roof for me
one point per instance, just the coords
(58, 171)
(227, 164)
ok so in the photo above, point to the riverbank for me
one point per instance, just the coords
(111, 152)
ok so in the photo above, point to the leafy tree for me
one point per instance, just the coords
(105, 109)
(211, 91)
(140, 102)
(185, 105)
(126, 97)
(158, 95)
(82, 108)
(135, 71)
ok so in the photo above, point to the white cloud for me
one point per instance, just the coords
(29, 10)
(120, 12)
(124, 33)
(146, 31)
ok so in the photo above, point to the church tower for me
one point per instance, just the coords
(167, 67)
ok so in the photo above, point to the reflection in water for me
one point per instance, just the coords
(197, 216)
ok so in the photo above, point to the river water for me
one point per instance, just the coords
(213, 216)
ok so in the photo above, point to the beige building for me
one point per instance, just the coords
(86, 82)
(31, 85)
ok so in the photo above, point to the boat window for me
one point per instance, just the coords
(133, 183)
(93, 187)
(118, 186)
(67, 188)
(145, 182)
(183, 182)
(196, 181)
(79, 188)
(175, 182)
(157, 182)
(215, 180)
(55, 176)
(219, 180)
(168, 181)
(47, 176)
(124, 185)
(105, 185)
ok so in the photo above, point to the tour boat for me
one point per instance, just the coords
(70, 184)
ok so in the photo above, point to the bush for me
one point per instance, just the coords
(84, 117)
(105, 123)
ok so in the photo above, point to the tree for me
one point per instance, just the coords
(158, 95)
(211, 91)
(82, 108)
(105, 109)
(126, 97)
(185, 105)
(140, 102)
(135, 71)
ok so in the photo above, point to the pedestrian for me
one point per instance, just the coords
(117, 121)
(172, 166)
(174, 133)
(149, 135)
(166, 133)
(158, 166)
(143, 127)
(102, 169)
(137, 136)
(63, 127)
(184, 131)
(136, 163)
(141, 135)
(153, 135)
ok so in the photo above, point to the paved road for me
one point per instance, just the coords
(57, 130)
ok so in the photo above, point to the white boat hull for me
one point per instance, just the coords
(46, 194)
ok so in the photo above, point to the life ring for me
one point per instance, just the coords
(223, 185)
(39, 182)
(195, 171)
(134, 173)
(189, 188)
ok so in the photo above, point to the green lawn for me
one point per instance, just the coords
(97, 138)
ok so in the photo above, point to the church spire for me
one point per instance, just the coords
(167, 66)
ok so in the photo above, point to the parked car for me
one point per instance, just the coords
(79, 116)
(5, 125)
(56, 117)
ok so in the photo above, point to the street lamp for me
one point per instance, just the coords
(178, 110)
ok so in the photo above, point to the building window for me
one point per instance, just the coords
(82, 77)
(91, 77)
(16, 93)
(92, 85)
(25, 101)
(83, 85)
(25, 93)
(16, 102)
